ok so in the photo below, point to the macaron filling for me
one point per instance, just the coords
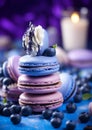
(40, 89)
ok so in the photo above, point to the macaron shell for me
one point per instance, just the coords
(41, 102)
(80, 55)
(13, 96)
(5, 72)
(38, 66)
(12, 67)
(82, 64)
(29, 61)
(39, 71)
(39, 85)
(80, 58)
(13, 93)
(43, 80)
(68, 88)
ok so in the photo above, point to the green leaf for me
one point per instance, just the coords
(54, 46)
(4, 100)
(86, 96)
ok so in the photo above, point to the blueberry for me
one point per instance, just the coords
(7, 104)
(78, 98)
(86, 85)
(85, 89)
(79, 91)
(70, 125)
(84, 80)
(15, 109)
(56, 122)
(79, 83)
(58, 114)
(15, 118)
(49, 52)
(89, 77)
(47, 113)
(84, 117)
(26, 110)
(6, 111)
(71, 107)
(7, 81)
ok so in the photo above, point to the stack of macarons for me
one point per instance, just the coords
(39, 80)
(10, 77)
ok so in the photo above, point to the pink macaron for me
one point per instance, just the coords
(12, 92)
(39, 85)
(12, 67)
(41, 102)
(90, 108)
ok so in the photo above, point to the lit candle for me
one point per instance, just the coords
(74, 32)
(75, 18)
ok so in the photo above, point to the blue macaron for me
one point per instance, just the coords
(5, 71)
(68, 87)
(38, 66)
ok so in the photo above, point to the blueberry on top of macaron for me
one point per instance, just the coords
(50, 51)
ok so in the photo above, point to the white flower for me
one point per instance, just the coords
(38, 35)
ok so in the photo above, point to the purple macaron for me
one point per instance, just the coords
(38, 103)
(80, 58)
(39, 85)
(10, 68)
(12, 92)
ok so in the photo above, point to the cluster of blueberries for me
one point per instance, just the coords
(15, 111)
(55, 117)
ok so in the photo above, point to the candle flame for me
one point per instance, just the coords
(75, 18)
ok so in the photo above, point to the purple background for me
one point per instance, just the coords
(16, 14)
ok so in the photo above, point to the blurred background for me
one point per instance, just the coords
(16, 14)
